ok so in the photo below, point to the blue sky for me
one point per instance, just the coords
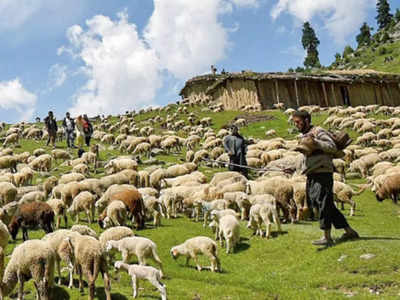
(90, 56)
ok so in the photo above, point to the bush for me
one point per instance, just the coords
(382, 50)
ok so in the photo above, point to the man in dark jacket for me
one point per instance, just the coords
(318, 167)
(88, 129)
(51, 126)
(236, 146)
(69, 127)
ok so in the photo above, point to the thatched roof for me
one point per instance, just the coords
(344, 76)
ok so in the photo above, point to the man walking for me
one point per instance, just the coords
(69, 127)
(236, 146)
(51, 126)
(318, 167)
(88, 129)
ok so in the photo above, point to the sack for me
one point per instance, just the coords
(341, 139)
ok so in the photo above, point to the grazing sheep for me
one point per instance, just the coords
(89, 260)
(143, 272)
(4, 235)
(114, 215)
(84, 230)
(49, 184)
(30, 216)
(8, 211)
(59, 209)
(67, 178)
(390, 188)
(32, 196)
(191, 248)
(229, 229)
(141, 247)
(31, 259)
(8, 192)
(84, 201)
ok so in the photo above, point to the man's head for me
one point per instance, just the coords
(67, 115)
(50, 114)
(302, 120)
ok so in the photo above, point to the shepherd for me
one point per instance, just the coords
(236, 146)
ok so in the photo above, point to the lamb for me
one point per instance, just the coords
(155, 208)
(48, 185)
(264, 212)
(67, 178)
(143, 272)
(114, 234)
(11, 139)
(89, 260)
(59, 209)
(29, 216)
(240, 199)
(141, 247)
(102, 203)
(344, 194)
(209, 206)
(31, 259)
(69, 191)
(84, 201)
(229, 229)
(114, 215)
(192, 247)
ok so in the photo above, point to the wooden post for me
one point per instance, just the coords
(308, 93)
(333, 93)
(325, 94)
(277, 90)
(297, 93)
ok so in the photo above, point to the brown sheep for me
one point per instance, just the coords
(30, 216)
(389, 189)
(134, 203)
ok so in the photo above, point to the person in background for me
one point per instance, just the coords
(88, 129)
(69, 127)
(51, 126)
(236, 146)
(80, 133)
(318, 167)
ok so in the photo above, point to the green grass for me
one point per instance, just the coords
(286, 266)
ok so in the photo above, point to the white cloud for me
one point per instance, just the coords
(13, 96)
(251, 3)
(192, 40)
(123, 72)
(341, 17)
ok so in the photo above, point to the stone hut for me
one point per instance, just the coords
(351, 88)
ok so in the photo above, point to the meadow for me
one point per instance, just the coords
(286, 266)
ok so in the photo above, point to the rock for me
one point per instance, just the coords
(367, 256)
(342, 258)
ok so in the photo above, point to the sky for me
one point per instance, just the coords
(107, 57)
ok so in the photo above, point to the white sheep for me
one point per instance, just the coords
(141, 247)
(116, 214)
(84, 201)
(143, 272)
(192, 247)
(59, 208)
(84, 230)
(229, 229)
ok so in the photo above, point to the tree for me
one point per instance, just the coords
(397, 15)
(364, 38)
(310, 44)
(338, 57)
(384, 17)
(347, 51)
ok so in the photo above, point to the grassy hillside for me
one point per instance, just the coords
(284, 267)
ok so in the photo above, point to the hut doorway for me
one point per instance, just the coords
(345, 95)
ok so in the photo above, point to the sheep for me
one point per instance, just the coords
(32, 196)
(29, 216)
(81, 168)
(389, 188)
(240, 199)
(143, 272)
(8, 192)
(229, 229)
(192, 247)
(92, 185)
(59, 209)
(69, 191)
(84, 201)
(60, 154)
(119, 164)
(264, 212)
(182, 180)
(31, 259)
(102, 203)
(11, 139)
(114, 234)
(7, 211)
(343, 193)
(155, 208)
(67, 178)
(141, 247)
(84, 230)
(209, 206)
(144, 178)
(156, 177)
(41, 163)
(8, 161)
(4, 235)
(114, 215)
(216, 215)
(176, 170)
(48, 185)
(89, 260)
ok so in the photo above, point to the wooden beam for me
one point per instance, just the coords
(333, 93)
(297, 93)
(277, 91)
(325, 94)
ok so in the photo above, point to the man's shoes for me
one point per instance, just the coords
(353, 235)
(323, 242)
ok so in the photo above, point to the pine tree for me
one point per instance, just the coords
(384, 17)
(364, 38)
(397, 15)
(310, 44)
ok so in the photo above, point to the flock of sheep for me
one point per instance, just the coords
(133, 191)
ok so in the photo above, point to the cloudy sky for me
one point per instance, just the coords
(90, 56)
